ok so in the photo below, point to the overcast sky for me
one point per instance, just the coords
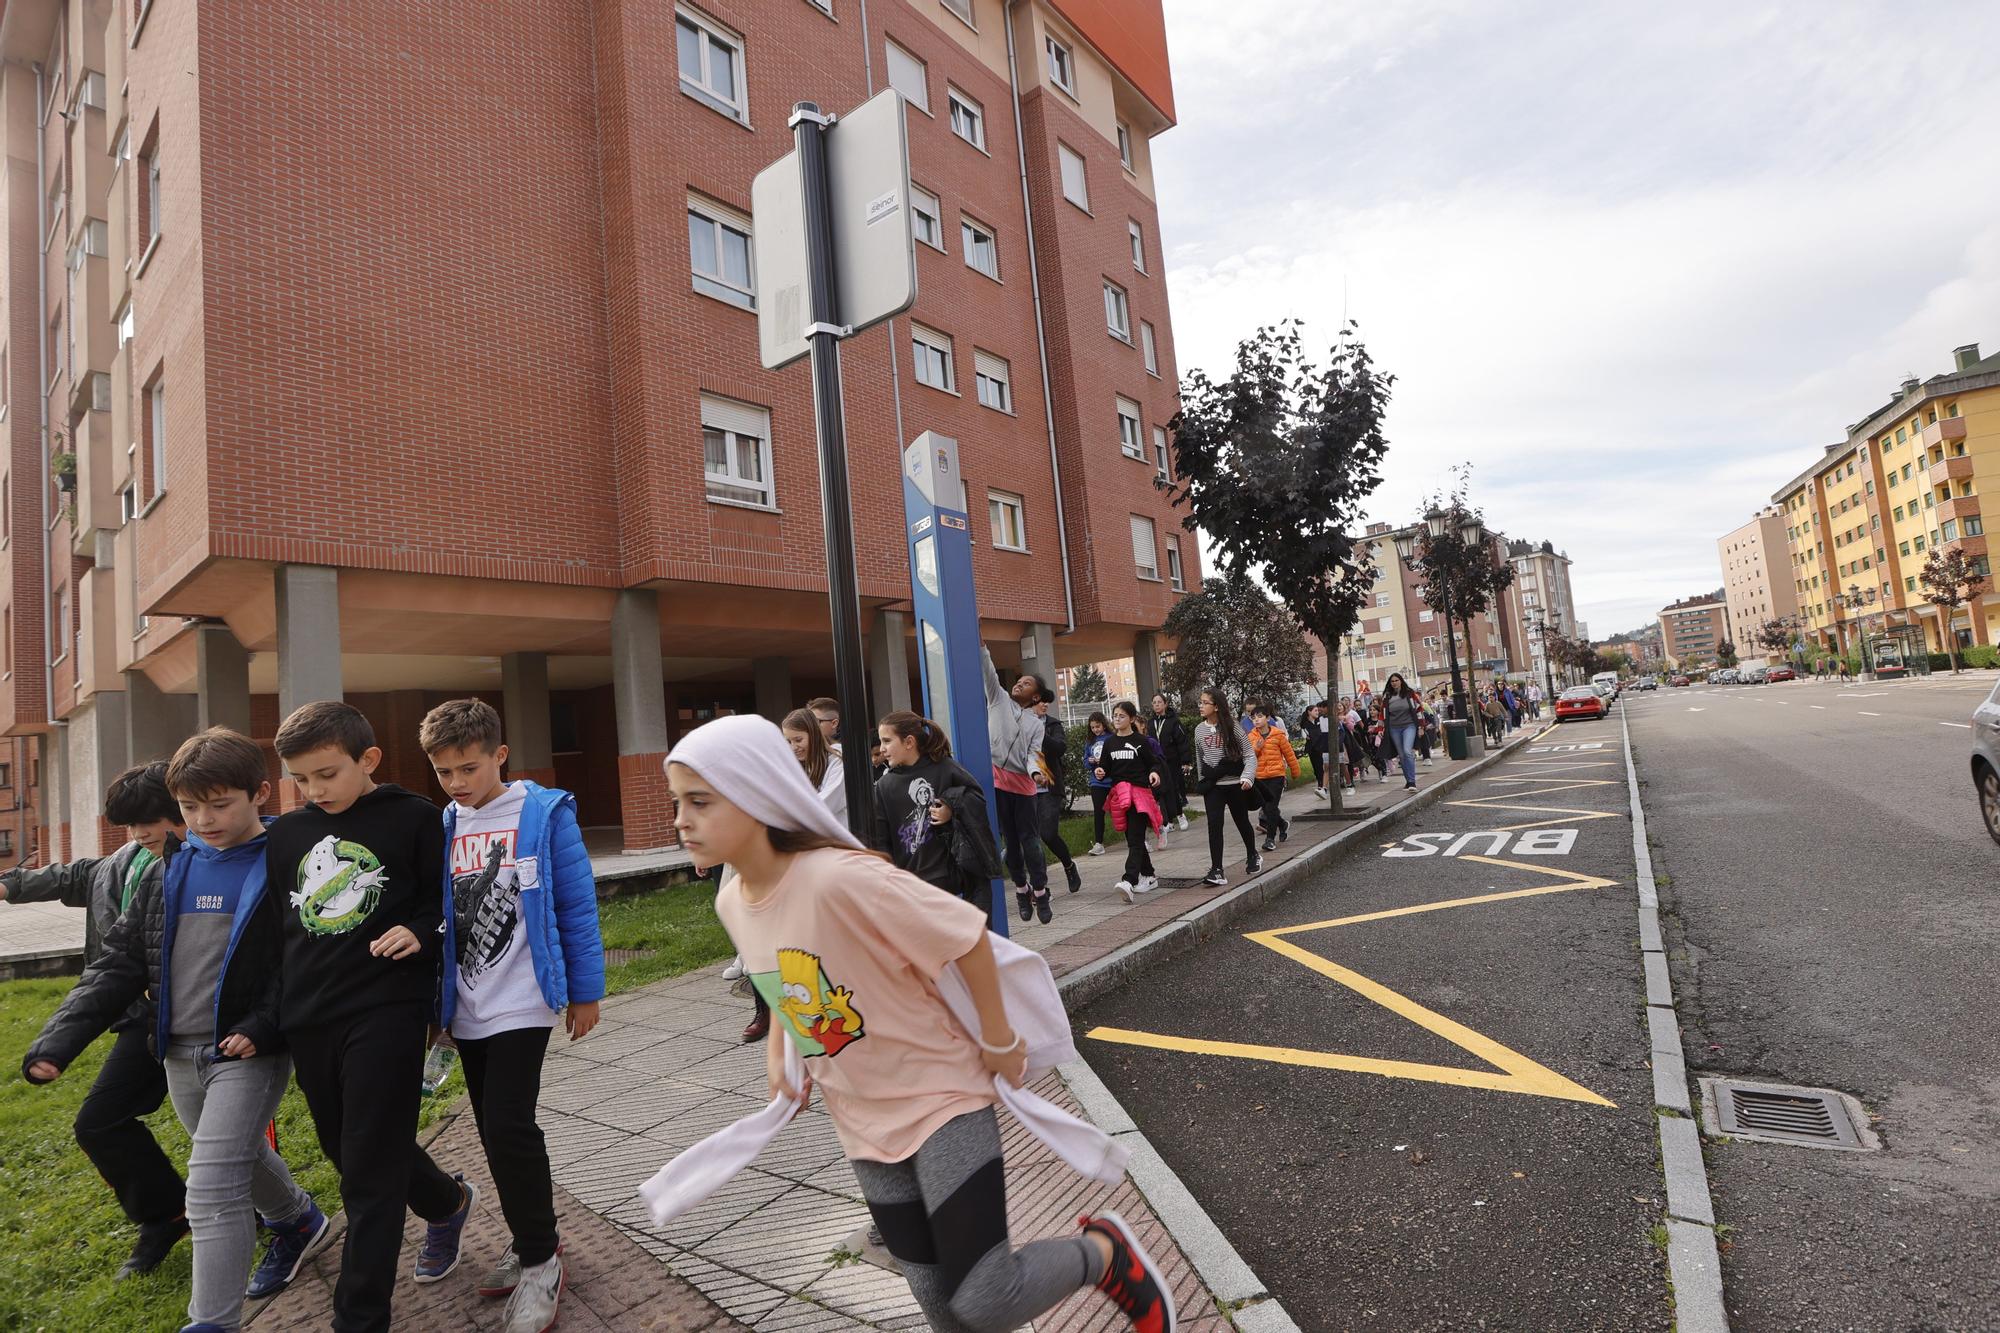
(1638, 264)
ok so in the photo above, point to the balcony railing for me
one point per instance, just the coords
(1954, 469)
(1938, 432)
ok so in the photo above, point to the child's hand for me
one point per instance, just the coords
(1153, 779)
(43, 1072)
(1012, 1066)
(1100, 773)
(580, 1018)
(940, 813)
(395, 942)
(237, 1046)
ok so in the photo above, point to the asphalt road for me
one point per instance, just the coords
(1830, 904)
(1431, 1120)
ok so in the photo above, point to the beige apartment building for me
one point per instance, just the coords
(1749, 592)
(1692, 629)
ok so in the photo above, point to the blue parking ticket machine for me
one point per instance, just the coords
(947, 614)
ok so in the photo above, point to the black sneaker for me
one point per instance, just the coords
(1132, 1279)
(1284, 832)
(156, 1240)
(1075, 877)
(1270, 844)
(1216, 878)
(1026, 903)
(1044, 911)
(1254, 865)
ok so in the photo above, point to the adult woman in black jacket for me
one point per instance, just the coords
(1314, 726)
(1177, 754)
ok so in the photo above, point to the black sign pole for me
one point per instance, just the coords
(843, 592)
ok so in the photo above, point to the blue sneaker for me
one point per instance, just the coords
(291, 1245)
(439, 1254)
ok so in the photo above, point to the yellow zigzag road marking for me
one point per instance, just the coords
(1564, 814)
(1518, 1074)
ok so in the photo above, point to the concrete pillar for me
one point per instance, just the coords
(1038, 655)
(155, 723)
(222, 680)
(524, 684)
(308, 635)
(99, 751)
(888, 665)
(639, 698)
(55, 777)
(1146, 667)
(772, 678)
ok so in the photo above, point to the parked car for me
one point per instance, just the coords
(1648, 684)
(1777, 673)
(1581, 701)
(1985, 759)
(1726, 676)
(1680, 680)
(1756, 675)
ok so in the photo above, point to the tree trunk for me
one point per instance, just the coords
(1951, 636)
(1333, 701)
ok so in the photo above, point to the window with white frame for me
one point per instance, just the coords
(1117, 311)
(719, 253)
(1138, 235)
(711, 60)
(1062, 64)
(823, 6)
(968, 118)
(1076, 185)
(1146, 345)
(1125, 144)
(994, 381)
(1129, 437)
(152, 196)
(908, 76)
(156, 430)
(1010, 527)
(1160, 465)
(1145, 547)
(126, 326)
(982, 251)
(962, 8)
(932, 351)
(736, 452)
(1175, 578)
(1426, 616)
(62, 623)
(128, 502)
(928, 217)
(1381, 599)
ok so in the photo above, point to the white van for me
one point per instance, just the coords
(1606, 683)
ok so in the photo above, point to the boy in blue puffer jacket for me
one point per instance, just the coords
(521, 946)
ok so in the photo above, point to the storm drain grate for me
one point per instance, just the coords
(1778, 1113)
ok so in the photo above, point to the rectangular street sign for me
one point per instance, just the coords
(874, 248)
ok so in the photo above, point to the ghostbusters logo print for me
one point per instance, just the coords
(339, 885)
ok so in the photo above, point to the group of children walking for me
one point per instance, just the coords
(234, 952)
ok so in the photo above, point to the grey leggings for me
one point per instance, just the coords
(943, 1214)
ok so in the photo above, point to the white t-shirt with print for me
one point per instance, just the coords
(497, 991)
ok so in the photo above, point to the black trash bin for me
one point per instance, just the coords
(1457, 737)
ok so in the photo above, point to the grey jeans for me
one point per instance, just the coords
(224, 1106)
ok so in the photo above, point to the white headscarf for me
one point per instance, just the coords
(751, 765)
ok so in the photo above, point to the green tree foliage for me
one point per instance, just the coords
(1088, 686)
(1949, 581)
(1233, 636)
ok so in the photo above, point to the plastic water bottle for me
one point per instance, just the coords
(438, 1064)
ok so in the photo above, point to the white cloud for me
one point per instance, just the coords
(1637, 267)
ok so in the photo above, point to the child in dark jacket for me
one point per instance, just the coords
(1129, 765)
(197, 936)
(930, 813)
(521, 947)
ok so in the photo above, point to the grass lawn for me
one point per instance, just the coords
(61, 1232)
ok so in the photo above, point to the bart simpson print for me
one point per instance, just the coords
(820, 1014)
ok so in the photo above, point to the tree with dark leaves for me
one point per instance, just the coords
(1088, 686)
(1949, 581)
(1233, 636)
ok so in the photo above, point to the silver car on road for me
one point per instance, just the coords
(1986, 760)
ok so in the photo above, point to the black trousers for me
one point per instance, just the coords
(362, 1080)
(1098, 795)
(503, 1074)
(1138, 861)
(1021, 831)
(1048, 816)
(108, 1129)
(1269, 790)
(1228, 795)
(1318, 761)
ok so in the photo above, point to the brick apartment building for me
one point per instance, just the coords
(399, 351)
(1754, 597)
(1693, 628)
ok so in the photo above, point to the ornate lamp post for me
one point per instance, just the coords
(1538, 625)
(1470, 537)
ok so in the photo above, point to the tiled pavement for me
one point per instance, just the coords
(38, 930)
(667, 1067)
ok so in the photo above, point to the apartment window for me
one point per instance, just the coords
(1125, 144)
(1117, 312)
(1175, 579)
(1920, 543)
(1425, 616)
(1062, 65)
(719, 250)
(1160, 452)
(1906, 471)
(962, 8)
(1974, 526)
(933, 357)
(1381, 599)
(968, 119)
(1145, 552)
(711, 65)
(736, 452)
(994, 383)
(1899, 513)
(1138, 235)
(1010, 530)
(128, 502)
(908, 76)
(149, 221)
(156, 429)
(1910, 583)
(982, 252)
(1147, 346)
(126, 326)
(1129, 440)
(1902, 434)
(1076, 186)
(1930, 501)
(823, 6)
(929, 225)
(1949, 530)
(62, 623)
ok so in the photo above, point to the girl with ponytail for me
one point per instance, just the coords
(930, 814)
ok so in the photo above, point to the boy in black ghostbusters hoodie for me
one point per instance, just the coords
(356, 876)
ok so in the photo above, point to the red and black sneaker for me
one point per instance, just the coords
(1132, 1279)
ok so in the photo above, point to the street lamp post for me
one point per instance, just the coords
(1470, 533)
(1538, 624)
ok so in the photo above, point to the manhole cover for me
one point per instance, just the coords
(1781, 1113)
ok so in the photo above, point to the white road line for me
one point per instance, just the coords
(1963, 726)
(1865, 713)
(1821, 707)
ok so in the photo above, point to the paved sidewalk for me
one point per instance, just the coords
(667, 1067)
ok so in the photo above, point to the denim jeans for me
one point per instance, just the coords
(1406, 750)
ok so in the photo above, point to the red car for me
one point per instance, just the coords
(1781, 673)
(1678, 680)
(1579, 701)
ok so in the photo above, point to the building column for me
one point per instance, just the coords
(888, 664)
(772, 677)
(222, 680)
(308, 636)
(155, 722)
(524, 684)
(99, 752)
(1038, 655)
(639, 697)
(55, 777)
(1146, 668)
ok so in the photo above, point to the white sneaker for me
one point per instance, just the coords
(1381, 777)
(1097, 849)
(1181, 823)
(734, 970)
(1125, 889)
(1147, 883)
(1163, 841)
(532, 1307)
(1427, 762)
(1320, 792)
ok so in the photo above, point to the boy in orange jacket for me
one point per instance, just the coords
(1275, 758)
